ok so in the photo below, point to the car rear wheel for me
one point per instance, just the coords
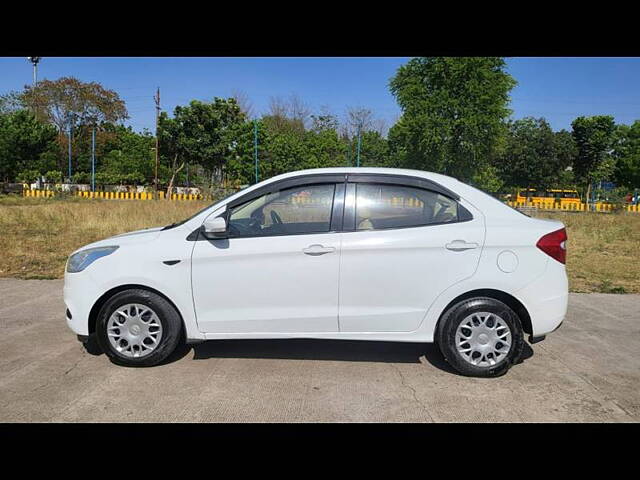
(481, 337)
(138, 328)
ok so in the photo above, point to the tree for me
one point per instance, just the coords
(359, 119)
(240, 168)
(127, 158)
(374, 150)
(533, 155)
(11, 102)
(453, 112)
(627, 154)
(67, 98)
(323, 148)
(201, 134)
(594, 137)
(68, 101)
(24, 144)
(286, 115)
(244, 102)
(324, 120)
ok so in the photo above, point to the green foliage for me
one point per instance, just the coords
(453, 121)
(627, 154)
(533, 155)
(488, 179)
(374, 151)
(53, 176)
(240, 167)
(128, 157)
(453, 112)
(27, 176)
(200, 134)
(594, 137)
(24, 143)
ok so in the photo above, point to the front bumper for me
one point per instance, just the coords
(80, 294)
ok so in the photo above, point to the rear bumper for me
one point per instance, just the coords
(546, 299)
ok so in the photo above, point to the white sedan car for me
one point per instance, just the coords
(339, 253)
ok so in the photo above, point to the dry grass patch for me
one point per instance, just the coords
(37, 235)
(603, 251)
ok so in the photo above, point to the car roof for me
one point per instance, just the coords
(477, 198)
(367, 170)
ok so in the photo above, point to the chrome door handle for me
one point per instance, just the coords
(317, 249)
(460, 246)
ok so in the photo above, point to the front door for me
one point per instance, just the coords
(278, 271)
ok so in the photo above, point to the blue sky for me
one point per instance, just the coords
(557, 88)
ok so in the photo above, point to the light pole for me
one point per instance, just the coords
(358, 157)
(93, 121)
(69, 119)
(93, 158)
(255, 147)
(34, 61)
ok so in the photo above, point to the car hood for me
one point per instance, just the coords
(129, 238)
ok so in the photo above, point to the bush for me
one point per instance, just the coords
(28, 176)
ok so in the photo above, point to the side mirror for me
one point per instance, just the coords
(215, 227)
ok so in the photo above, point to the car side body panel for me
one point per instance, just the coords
(507, 261)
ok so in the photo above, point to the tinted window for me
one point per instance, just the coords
(287, 212)
(391, 206)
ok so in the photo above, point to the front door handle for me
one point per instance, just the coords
(318, 249)
(460, 246)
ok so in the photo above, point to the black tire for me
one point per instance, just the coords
(172, 331)
(445, 336)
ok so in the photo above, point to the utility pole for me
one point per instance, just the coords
(157, 100)
(69, 136)
(358, 155)
(255, 146)
(93, 159)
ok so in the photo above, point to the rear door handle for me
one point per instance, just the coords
(460, 246)
(318, 249)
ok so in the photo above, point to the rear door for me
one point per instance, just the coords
(402, 246)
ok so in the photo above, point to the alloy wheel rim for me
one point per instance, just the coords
(483, 339)
(134, 330)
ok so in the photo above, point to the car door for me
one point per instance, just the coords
(278, 270)
(401, 248)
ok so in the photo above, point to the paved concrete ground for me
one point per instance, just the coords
(588, 371)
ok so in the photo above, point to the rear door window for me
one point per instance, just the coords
(379, 206)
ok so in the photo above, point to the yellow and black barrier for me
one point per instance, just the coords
(301, 200)
(116, 195)
(575, 206)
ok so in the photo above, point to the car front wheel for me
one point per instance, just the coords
(481, 337)
(138, 328)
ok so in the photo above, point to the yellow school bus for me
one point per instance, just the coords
(549, 196)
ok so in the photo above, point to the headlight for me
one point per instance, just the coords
(81, 260)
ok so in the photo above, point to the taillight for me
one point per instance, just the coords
(554, 244)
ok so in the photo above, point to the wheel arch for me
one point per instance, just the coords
(504, 297)
(95, 309)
